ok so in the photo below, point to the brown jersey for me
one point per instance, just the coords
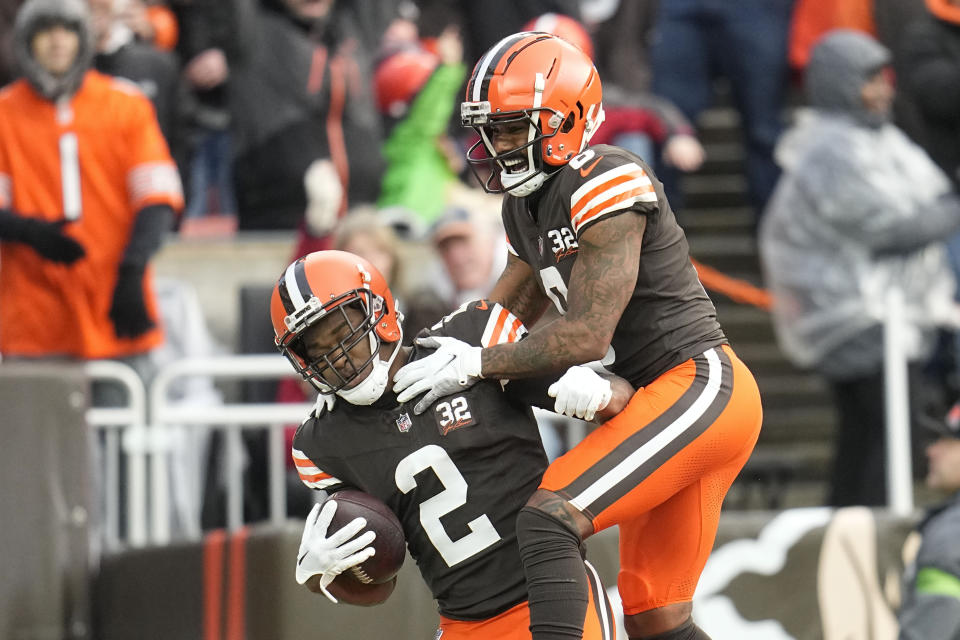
(456, 476)
(669, 318)
(93, 160)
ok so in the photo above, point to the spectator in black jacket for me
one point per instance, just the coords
(155, 72)
(207, 40)
(300, 91)
(930, 53)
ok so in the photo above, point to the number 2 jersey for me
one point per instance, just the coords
(456, 476)
(669, 318)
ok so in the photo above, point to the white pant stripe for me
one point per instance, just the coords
(601, 602)
(660, 441)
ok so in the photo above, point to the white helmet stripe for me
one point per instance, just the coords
(290, 281)
(492, 56)
(538, 84)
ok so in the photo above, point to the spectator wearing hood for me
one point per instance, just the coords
(87, 189)
(859, 209)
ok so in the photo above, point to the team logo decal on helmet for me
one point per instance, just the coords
(332, 282)
(539, 81)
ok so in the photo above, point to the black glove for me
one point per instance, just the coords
(128, 311)
(46, 238)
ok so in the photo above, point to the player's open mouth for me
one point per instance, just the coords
(516, 164)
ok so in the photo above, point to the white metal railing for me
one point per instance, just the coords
(146, 437)
(898, 322)
(897, 404)
(124, 425)
(145, 430)
(230, 417)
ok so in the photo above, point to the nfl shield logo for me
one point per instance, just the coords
(540, 245)
(404, 422)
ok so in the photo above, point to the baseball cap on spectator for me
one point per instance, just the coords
(454, 222)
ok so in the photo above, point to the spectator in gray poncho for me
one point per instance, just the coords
(859, 209)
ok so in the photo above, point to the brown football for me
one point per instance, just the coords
(390, 543)
(348, 590)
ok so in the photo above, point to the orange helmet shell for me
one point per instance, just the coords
(545, 76)
(321, 281)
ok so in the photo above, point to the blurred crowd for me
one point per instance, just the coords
(284, 114)
(337, 122)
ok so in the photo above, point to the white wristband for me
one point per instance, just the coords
(470, 363)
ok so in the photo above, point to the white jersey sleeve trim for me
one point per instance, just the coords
(502, 327)
(310, 474)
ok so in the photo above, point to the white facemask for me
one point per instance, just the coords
(373, 386)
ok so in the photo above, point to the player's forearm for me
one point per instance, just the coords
(517, 290)
(622, 392)
(553, 348)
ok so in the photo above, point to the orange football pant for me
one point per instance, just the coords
(660, 470)
(514, 623)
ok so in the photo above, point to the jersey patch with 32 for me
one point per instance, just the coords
(453, 414)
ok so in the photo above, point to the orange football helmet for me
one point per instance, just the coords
(542, 80)
(400, 76)
(326, 282)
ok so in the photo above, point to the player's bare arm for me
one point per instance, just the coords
(517, 290)
(600, 287)
(622, 391)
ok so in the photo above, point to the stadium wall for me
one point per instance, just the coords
(802, 573)
(45, 502)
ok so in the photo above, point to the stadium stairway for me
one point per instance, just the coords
(789, 466)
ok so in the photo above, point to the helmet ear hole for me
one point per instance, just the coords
(568, 123)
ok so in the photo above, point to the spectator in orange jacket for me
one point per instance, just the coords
(87, 189)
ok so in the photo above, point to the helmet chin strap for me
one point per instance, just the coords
(372, 387)
(530, 185)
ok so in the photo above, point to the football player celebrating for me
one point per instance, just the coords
(590, 231)
(456, 476)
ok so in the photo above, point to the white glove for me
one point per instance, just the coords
(580, 393)
(324, 401)
(454, 366)
(324, 196)
(331, 556)
(684, 152)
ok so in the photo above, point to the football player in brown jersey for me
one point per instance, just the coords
(590, 231)
(456, 476)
